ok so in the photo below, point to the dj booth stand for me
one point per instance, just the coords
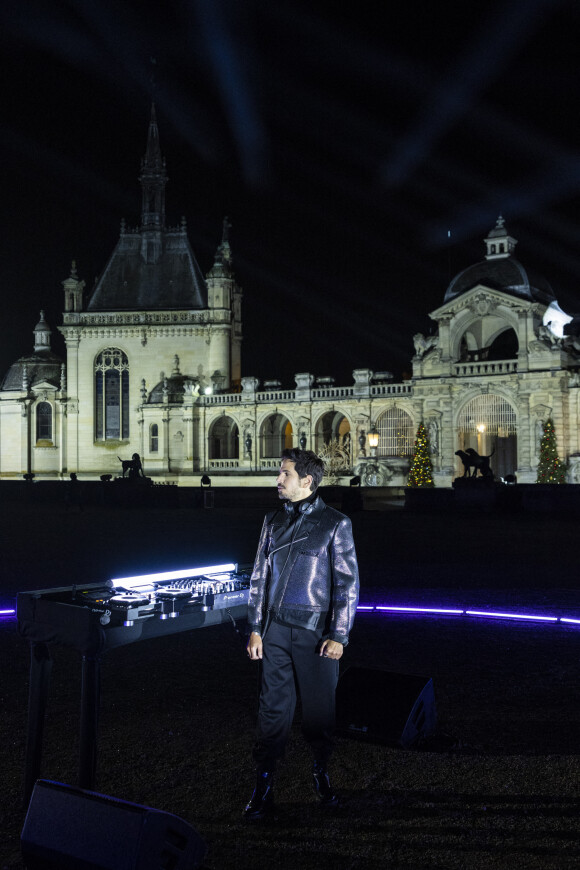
(44, 619)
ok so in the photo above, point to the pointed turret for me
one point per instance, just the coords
(223, 266)
(73, 290)
(220, 278)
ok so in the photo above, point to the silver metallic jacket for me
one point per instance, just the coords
(319, 575)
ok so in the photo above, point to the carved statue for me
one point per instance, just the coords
(422, 344)
(546, 335)
(432, 432)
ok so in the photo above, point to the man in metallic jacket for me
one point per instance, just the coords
(302, 604)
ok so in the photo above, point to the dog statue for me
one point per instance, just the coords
(473, 462)
(133, 466)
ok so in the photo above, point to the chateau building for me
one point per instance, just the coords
(153, 366)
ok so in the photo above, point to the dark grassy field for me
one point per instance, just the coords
(498, 786)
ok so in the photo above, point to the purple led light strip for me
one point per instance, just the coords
(497, 615)
(487, 614)
(420, 610)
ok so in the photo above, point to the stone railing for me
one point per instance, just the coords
(276, 396)
(223, 399)
(391, 389)
(224, 463)
(498, 367)
(317, 394)
(332, 393)
(271, 464)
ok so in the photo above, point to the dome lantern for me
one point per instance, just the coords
(499, 243)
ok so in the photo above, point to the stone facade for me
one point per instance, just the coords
(153, 367)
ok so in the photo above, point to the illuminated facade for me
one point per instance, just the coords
(153, 366)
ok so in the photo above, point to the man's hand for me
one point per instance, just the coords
(254, 646)
(331, 649)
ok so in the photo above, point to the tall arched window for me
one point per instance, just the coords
(111, 395)
(44, 421)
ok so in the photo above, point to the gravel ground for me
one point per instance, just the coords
(497, 786)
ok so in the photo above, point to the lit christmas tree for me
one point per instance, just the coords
(421, 470)
(550, 469)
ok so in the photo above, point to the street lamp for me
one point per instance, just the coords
(373, 440)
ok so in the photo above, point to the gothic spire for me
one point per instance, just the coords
(153, 179)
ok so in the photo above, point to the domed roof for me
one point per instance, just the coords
(176, 386)
(501, 271)
(33, 369)
(38, 367)
(507, 276)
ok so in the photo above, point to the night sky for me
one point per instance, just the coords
(361, 155)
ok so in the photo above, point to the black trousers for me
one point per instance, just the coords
(291, 663)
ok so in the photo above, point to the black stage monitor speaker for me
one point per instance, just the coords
(383, 707)
(69, 828)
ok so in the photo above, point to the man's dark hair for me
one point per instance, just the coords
(306, 462)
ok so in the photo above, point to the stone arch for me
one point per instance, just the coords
(474, 333)
(276, 433)
(333, 426)
(223, 438)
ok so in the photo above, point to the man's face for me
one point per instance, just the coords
(291, 486)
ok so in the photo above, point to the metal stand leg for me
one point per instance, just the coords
(40, 670)
(90, 693)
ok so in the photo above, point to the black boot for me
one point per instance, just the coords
(262, 799)
(322, 787)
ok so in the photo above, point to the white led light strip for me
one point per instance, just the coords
(147, 579)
